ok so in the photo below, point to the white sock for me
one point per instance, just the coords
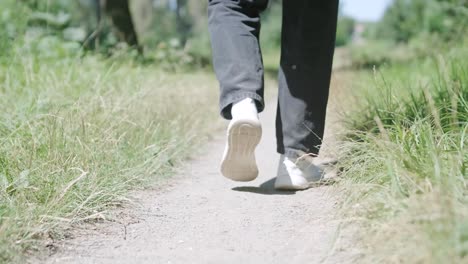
(244, 109)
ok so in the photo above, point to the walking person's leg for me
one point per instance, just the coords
(308, 42)
(234, 28)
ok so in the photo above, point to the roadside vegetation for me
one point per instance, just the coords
(75, 136)
(89, 113)
(79, 128)
(85, 117)
(405, 157)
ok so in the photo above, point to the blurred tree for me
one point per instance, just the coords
(270, 36)
(407, 19)
(182, 20)
(143, 15)
(119, 12)
(91, 15)
(197, 13)
(345, 30)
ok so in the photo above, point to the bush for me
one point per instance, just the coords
(344, 31)
(406, 19)
(378, 53)
(271, 28)
(405, 162)
(13, 20)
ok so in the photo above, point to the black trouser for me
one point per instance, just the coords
(308, 41)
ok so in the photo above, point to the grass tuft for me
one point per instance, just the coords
(77, 134)
(405, 162)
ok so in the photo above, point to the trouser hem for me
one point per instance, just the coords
(295, 153)
(226, 103)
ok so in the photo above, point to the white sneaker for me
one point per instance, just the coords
(301, 174)
(243, 135)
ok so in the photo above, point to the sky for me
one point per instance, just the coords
(364, 10)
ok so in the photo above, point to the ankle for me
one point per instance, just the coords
(244, 109)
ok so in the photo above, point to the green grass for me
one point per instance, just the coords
(405, 161)
(76, 134)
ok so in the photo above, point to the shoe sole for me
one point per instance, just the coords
(239, 162)
(291, 188)
(298, 187)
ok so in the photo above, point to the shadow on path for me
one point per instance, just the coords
(266, 188)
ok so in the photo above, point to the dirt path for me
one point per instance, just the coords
(201, 217)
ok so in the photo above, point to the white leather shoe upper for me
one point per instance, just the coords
(297, 175)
